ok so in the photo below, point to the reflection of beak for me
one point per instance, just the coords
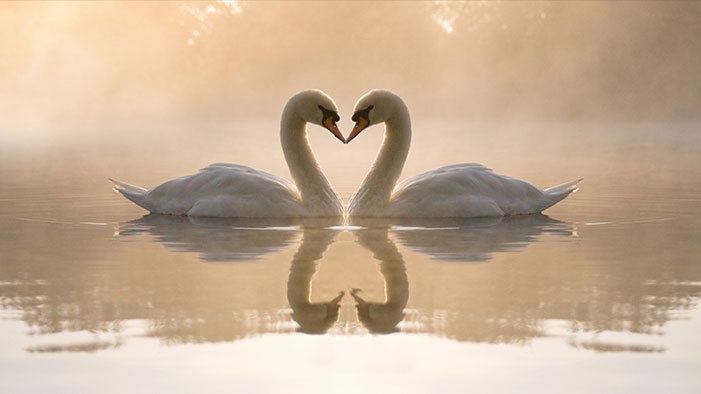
(361, 302)
(330, 125)
(360, 125)
(333, 305)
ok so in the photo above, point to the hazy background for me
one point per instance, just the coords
(67, 64)
(542, 91)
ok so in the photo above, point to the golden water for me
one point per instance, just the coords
(604, 289)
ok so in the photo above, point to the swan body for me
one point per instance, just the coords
(471, 190)
(232, 190)
(459, 190)
(220, 190)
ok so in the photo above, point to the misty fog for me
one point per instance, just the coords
(65, 64)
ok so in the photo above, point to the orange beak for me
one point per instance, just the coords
(360, 125)
(330, 125)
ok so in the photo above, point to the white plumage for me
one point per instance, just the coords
(220, 190)
(471, 190)
(232, 190)
(459, 190)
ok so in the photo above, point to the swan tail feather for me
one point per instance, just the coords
(133, 193)
(557, 193)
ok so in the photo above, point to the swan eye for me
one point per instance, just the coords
(364, 113)
(325, 114)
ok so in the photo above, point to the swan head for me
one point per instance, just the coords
(374, 107)
(377, 317)
(317, 318)
(316, 107)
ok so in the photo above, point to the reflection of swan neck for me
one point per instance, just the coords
(393, 271)
(299, 286)
(299, 283)
(384, 317)
(313, 318)
(311, 182)
(396, 283)
(379, 183)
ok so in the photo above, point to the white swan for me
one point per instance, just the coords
(232, 190)
(459, 190)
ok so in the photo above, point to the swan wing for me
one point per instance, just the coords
(222, 190)
(432, 174)
(470, 190)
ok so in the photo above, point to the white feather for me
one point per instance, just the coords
(232, 190)
(458, 190)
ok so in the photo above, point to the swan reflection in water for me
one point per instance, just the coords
(468, 240)
(312, 317)
(220, 240)
(240, 239)
(248, 239)
(474, 239)
(383, 317)
(140, 290)
(451, 239)
(216, 239)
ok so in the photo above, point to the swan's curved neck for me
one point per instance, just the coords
(313, 186)
(377, 187)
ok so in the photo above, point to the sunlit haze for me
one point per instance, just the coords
(73, 62)
(572, 266)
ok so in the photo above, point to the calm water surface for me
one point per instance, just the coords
(600, 295)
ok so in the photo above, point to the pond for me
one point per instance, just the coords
(600, 293)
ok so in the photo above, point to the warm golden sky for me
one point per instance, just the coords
(70, 62)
